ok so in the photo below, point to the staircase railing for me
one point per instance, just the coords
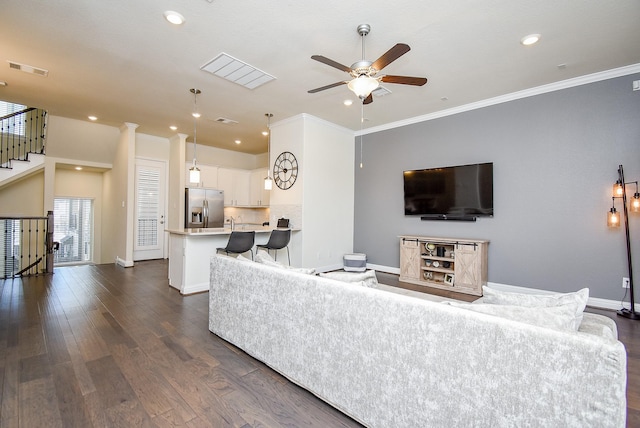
(26, 246)
(21, 133)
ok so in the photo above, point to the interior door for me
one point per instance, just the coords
(149, 222)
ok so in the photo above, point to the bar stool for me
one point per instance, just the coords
(240, 242)
(278, 240)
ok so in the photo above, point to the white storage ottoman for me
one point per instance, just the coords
(356, 262)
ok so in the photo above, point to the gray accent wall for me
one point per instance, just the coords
(555, 160)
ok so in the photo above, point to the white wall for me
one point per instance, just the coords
(228, 158)
(321, 200)
(76, 139)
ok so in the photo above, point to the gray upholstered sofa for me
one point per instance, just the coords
(390, 360)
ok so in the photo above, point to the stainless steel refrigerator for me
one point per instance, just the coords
(203, 207)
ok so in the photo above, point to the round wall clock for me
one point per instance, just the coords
(285, 170)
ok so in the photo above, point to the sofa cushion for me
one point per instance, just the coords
(578, 299)
(368, 278)
(560, 317)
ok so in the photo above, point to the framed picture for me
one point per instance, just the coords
(448, 278)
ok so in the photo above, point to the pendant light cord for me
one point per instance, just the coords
(361, 124)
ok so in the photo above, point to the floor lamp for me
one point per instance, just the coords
(613, 220)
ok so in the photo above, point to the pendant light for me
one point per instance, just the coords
(268, 181)
(194, 172)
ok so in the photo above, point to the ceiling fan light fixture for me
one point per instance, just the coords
(363, 85)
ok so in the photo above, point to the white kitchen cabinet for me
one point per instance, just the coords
(236, 186)
(208, 176)
(259, 196)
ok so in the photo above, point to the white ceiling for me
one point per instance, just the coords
(121, 61)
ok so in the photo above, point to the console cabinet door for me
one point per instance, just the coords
(409, 259)
(468, 267)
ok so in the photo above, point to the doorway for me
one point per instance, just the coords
(149, 223)
(73, 229)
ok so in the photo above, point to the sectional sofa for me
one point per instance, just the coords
(390, 360)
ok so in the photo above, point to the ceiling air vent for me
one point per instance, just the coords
(226, 121)
(381, 91)
(28, 69)
(237, 71)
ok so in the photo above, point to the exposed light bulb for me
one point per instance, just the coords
(635, 203)
(613, 218)
(618, 190)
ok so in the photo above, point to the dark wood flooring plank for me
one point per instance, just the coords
(110, 384)
(89, 341)
(71, 405)
(10, 406)
(152, 389)
(36, 367)
(38, 404)
(83, 377)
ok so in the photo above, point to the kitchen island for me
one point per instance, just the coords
(191, 249)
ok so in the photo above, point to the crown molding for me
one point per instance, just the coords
(551, 87)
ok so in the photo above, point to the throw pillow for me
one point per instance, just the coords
(559, 317)
(367, 278)
(243, 258)
(266, 259)
(579, 298)
(263, 257)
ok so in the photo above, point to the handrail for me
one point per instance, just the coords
(26, 245)
(22, 133)
(16, 113)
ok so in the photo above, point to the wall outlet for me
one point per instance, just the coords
(625, 282)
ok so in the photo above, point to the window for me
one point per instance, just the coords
(15, 124)
(73, 229)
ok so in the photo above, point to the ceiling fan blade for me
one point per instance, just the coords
(368, 100)
(404, 80)
(331, 63)
(391, 55)
(333, 85)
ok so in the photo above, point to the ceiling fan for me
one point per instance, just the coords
(364, 72)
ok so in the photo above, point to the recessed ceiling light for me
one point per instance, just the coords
(92, 118)
(265, 133)
(238, 141)
(348, 102)
(195, 114)
(174, 17)
(530, 39)
(173, 128)
(78, 168)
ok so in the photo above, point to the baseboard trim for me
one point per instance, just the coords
(594, 302)
(124, 263)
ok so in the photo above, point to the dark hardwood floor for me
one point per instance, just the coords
(104, 346)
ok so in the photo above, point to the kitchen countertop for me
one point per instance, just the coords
(222, 230)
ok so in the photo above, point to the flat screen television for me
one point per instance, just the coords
(461, 192)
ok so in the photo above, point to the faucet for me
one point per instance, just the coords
(233, 222)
